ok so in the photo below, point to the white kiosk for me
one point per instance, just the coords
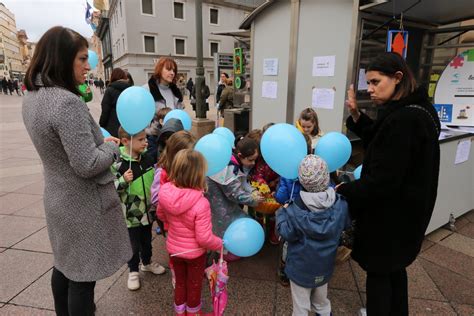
(317, 48)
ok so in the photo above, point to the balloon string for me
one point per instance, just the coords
(292, 189)
(130, 162)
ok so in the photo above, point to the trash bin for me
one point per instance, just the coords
(237, 120)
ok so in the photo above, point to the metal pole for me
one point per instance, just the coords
(200, 110)
(294, 23)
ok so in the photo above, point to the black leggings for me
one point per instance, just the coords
(72, 298)
(387, 293)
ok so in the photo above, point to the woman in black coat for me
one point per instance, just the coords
(108, 118)
(393, 200)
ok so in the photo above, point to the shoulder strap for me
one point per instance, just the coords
(415, 106)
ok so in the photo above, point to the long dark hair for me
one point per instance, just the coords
(389, 64)
(54, 59)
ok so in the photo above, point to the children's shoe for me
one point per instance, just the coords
(154, 268)
(133, 282)
(273, 238)
(343, 254)
(362, 312)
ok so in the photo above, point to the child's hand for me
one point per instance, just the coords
(337, 186)
(128, 176)
(112, 139)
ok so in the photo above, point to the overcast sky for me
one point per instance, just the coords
(37, 16)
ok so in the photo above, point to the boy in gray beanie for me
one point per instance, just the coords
(312, 226)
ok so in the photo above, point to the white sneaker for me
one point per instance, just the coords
(362, 312)
(154, 268)
(133, 282)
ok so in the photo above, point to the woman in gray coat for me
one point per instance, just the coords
(86, 227)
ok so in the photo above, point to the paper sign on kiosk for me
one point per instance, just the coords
(270, 66)
(269, 89)
(323, 66)
(462, 151)
(323, 98)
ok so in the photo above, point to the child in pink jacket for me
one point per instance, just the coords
(183, 207)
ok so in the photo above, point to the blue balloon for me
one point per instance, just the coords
(244, 237)
(227, 133)
(216, 150)
(93, 59)
(335, 148)
(283, 147)
(135, 109)
(180, 115)
(357, 172)
(105, 133)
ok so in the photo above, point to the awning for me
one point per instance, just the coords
(235, 33)
(435, 12)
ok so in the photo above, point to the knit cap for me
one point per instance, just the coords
(313, 174)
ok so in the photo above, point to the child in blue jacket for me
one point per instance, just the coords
(312, 225)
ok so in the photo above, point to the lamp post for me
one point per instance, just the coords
(200, 110)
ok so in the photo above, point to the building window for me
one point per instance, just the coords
(213, 48)
(149, 43)
(120, 4)
(178, 10)
(147, 7)
(123, 44)
(180, 46)
(214, 16)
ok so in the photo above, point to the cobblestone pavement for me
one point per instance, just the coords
(441, 280)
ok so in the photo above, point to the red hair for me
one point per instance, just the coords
(167, 62)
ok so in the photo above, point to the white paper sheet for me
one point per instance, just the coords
(270, 66)
(269, 89)
(323, 66)
(323, 98)
(462, 151)
(362, 82)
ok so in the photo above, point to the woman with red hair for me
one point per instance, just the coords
(162, 86)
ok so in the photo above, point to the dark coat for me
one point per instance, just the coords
(158, 97)
(190, 85)
(205, 92)
(393, 200)
(108, 117)
(227, 99)
(220, 88)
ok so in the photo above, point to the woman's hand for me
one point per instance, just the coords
(351, 104)
(128, 176)
(112, 139)
(259, 197)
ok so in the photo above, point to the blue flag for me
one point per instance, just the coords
(88, 13)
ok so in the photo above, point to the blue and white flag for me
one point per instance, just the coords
(88, 13)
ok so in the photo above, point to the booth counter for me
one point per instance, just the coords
(456, 181)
